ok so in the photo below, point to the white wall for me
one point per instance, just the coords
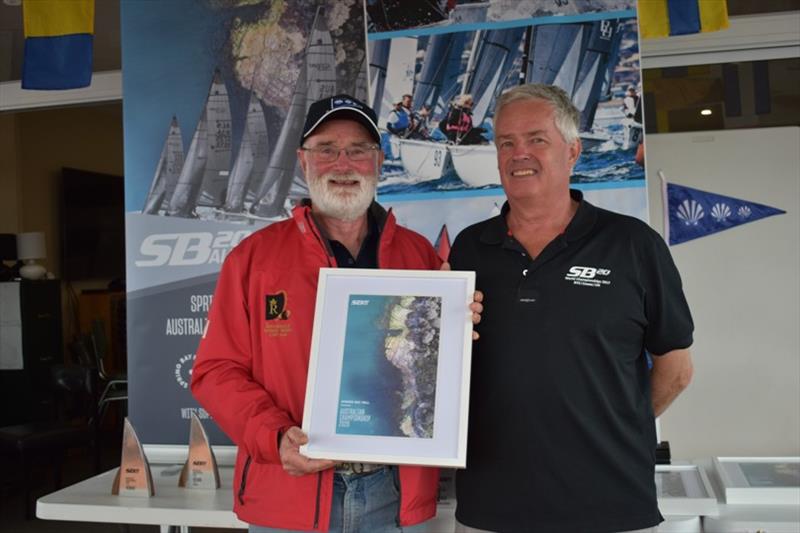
(742, 286)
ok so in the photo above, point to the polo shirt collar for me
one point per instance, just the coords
(496, 229)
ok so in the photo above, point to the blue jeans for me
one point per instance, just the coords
(363, 503)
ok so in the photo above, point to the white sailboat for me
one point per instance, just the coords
(571, 56)
(476, 164)
(167, 171)
(425, 160)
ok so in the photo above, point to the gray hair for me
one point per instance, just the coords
(567, 116)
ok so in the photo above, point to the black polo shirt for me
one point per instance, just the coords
(561, 428)
(368, 253)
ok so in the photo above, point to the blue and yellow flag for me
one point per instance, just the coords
(59, 35)
(662, 18)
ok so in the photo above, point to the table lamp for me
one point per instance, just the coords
(30, 247)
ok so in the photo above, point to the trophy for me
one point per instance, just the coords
(200, 470)
(133, 477)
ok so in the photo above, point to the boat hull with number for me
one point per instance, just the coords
(425, 160)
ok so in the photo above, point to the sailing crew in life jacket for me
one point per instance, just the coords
(457, 125)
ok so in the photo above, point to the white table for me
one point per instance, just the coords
(91, 501)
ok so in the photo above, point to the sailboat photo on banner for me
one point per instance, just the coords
(462, 73)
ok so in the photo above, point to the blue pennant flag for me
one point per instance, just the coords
(694, 213)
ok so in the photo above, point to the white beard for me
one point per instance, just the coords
(338, 205)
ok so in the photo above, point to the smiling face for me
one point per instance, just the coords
(535, 162)
(341, 189)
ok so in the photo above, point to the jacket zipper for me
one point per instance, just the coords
(399, 496)
(316, 508)
(246, 468)
(322, 242)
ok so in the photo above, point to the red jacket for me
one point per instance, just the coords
(251, 366)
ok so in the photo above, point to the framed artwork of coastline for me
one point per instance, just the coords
(388, 379)
(759, 480)
(685, 490)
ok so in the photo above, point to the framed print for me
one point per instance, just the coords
(760, 480)
(684, 490)
(388, 378)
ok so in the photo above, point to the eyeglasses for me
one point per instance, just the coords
(329, 154)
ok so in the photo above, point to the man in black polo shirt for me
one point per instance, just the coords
(561, 429)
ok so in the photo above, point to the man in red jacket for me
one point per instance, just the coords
(251, 366)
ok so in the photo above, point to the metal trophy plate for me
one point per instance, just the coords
(200, 470)
(133, 477)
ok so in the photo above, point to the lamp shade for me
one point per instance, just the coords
(31, 245)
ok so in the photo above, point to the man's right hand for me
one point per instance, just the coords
(295, 463)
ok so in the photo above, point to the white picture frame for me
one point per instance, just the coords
(389, 371)
(759, 480)
(685, 490)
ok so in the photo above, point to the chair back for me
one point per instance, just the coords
(100, 347)
(75, 391)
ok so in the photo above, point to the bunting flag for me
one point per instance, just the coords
(59, 35)
(692, 213)
(662, 18)
(442, 245)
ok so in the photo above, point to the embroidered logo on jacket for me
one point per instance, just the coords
(276, 306)
(275, 312)
(588, 276)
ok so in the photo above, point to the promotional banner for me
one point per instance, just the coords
(215, 97)
(434, 80)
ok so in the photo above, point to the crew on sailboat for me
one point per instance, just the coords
(630, 103)
(400, 121)
(457, 125)
(420, 123)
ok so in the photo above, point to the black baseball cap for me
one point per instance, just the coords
(341, 107)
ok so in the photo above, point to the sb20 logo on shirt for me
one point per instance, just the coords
(588, 276)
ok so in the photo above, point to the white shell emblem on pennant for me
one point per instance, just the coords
(744, 211)
(690, 212)
(720, 212)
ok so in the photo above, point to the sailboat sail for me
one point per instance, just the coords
(283, 161)
(187, 188)
(378, 63)
(591, 74)
(251, 161)
(240, 175)
(555, 55)
(218, 116)
(608, 80)
(574, 57)
(317, 80)
(167, 171)
(429, 82)
(498, 49)
(360, 85)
